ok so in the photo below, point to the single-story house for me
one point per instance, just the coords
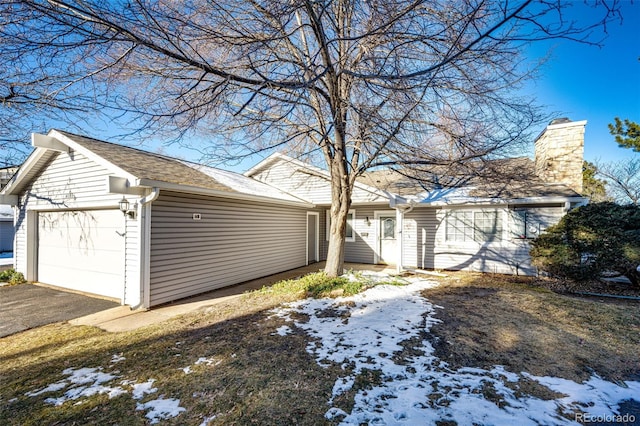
(147, 229)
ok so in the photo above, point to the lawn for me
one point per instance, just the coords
(461, 349)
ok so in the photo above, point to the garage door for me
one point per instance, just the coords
(82, 250)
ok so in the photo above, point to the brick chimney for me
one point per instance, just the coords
(559, 153)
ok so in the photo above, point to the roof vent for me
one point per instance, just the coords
(561, 120)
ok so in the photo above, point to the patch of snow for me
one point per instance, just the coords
(117, 358)
(141, 389)
(283, 331)
(160, 409)
(187, 369)
(206, 420)
(208, 361)
(84, 382)
(370, 330)
(51, 388)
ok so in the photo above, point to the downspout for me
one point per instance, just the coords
(144, 235)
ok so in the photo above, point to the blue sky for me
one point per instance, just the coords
(582, 82)
(593, 83)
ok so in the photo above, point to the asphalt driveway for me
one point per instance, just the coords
(27, 306)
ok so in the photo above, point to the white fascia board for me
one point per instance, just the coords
(9, 200)
(148, 183)
(121, 185)
(263, 164)
(14, 185)
(48, 142)
(505, 201)
(91, 155)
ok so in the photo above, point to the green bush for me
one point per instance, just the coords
(590, 241)
(12, 277)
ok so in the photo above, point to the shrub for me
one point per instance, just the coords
(590, 241)
(12, 277)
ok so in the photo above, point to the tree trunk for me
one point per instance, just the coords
(340, 204)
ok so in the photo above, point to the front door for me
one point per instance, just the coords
(387, 239)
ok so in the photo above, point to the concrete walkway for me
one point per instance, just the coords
(122, 318)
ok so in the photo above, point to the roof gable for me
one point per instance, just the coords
(309, 182)
(144, 169)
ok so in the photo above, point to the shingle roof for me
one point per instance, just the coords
(506, 178)
(147, 165)
(156, 167)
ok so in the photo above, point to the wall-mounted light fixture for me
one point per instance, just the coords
(368, 221)
(124, 208)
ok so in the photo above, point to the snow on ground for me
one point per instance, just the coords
(370, 330)
(82, 383)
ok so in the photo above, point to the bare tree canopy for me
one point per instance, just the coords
(360, 84)
(623, 179)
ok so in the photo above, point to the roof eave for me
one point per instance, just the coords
(506, 201)
(167, 186)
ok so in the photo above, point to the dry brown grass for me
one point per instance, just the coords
(500, 320)
(264, 378)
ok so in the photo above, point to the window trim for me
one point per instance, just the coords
(348, 239)
(498, 237)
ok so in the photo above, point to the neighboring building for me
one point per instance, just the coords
(6, 214)
(190, 228)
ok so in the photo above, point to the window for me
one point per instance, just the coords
(526, 224)
(350, 231)
(460, 226)
(479, 226)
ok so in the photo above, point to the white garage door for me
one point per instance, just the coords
(82, 250)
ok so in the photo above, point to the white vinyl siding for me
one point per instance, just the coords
(233, 242)
(428, 239)
(309, 185)
(71, 182)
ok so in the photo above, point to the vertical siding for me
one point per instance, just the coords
(233, 242)
(132, 263)
(420, 228)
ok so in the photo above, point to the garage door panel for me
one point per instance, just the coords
(82, 250)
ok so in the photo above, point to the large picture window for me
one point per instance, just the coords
(350, 231)
(478, 226)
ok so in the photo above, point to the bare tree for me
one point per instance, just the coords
(623, 179)
(407, 84)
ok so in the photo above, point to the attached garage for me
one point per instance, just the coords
(82, 250)
(144, 228)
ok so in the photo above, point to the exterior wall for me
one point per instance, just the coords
(426, 246)
(362, 249)
(234, 241)
(307, 185)
(559, 154)
(69, 182)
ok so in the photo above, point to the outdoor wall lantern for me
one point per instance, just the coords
(124, 208)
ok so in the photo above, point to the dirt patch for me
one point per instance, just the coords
(496, 320)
